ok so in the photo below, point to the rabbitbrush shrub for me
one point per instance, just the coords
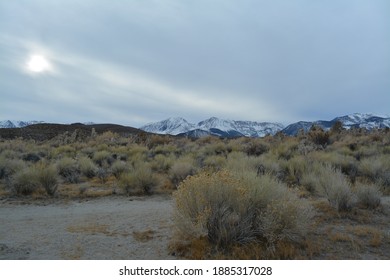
(237, 208)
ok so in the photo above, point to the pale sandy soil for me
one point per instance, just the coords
(135, 228)
(114, 227)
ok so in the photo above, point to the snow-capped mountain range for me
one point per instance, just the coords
(231, 128)
(17, 124)
(213, 126)
(368, 121)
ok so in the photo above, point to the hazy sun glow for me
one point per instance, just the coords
(38, 64)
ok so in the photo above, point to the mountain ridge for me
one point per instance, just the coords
(231, 128)
(212, 126)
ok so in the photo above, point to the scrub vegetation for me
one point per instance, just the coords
(318, 195)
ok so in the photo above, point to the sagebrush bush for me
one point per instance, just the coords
(9, 166)
(368, 196)
(46, 176)
(233, 209)
(182, 168)
(102, 158)
(377, 169)
(118, 168)
(87, 167)
(330, 182)
(140, 180)
(68, 168)
(162, 163)
(25, 181)
(240, 162)
(256, 147)
(214, 162)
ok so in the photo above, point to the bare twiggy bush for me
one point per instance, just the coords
(231, 209)
(318, 136)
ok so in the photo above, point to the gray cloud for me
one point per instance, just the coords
(133, 62)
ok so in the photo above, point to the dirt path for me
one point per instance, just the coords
(104, 228)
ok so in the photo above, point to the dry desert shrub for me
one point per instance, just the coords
(286, 149)
(368, 196)
(118, 168)
(140, 180)
(230, 209)
(25, 181)
(182, 168)
(377, 169)
(69, 170)
(330, 182)
(87, 167)
(318, 136)
(256, 147)
(103, 158)
(214, 162)
(8, 167)
(162, 163)
(47, 177)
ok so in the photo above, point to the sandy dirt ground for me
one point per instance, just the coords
(114, 227)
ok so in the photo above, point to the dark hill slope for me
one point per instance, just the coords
(47, 131)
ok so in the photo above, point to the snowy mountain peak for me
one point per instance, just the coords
(214, 122)
(172, 126)
(16, 124)
(213, 126)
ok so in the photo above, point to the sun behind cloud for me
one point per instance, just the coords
(38, 64)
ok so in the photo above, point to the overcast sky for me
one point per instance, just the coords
(138, 61)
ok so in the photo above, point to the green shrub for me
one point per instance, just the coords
(231, 209)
